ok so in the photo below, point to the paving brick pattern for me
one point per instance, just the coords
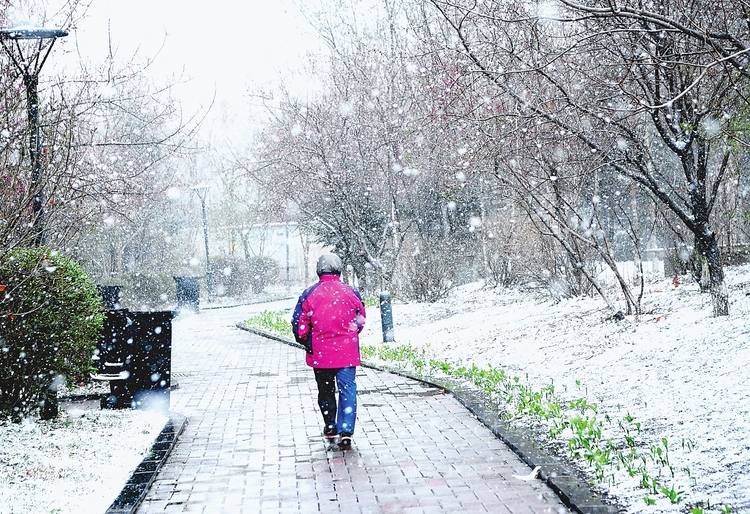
(253, 440)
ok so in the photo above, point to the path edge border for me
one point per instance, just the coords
(133, 493)
(574, 491)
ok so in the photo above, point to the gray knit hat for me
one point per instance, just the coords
(329, 264)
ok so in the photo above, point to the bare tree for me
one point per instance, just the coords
(349, 158)
(640, 99)
(110, 143)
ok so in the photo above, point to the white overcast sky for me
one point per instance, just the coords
(219, 44)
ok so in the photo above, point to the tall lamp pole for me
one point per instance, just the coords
(202, 191)
(29, 64)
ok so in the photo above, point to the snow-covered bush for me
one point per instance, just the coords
(263, 272)
(50, 319)
(430, 273)
(231, 275)
(146, 289)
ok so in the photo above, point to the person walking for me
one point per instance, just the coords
(327, 320)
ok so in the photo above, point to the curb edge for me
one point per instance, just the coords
(135, 489)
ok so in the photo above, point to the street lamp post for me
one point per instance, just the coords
(202, 191)
(29, 64)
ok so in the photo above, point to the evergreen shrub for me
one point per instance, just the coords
(51, 317)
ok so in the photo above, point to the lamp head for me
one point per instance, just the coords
(201, 190)
(30, 32)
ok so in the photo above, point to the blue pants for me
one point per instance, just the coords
(342, 416)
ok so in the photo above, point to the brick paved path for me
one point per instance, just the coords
(252, 443)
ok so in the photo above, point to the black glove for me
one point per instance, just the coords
(307, 343)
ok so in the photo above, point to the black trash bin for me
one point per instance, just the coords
(115, 333)
(188, 293)
(110, 296)
(150, 366)
(138, 361)
(112, 350)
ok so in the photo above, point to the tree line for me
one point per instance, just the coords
(526, 141)
(444, 140)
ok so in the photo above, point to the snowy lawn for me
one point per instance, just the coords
(77, 463)
(668, 389)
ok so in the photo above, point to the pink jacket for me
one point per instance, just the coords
(329, 317)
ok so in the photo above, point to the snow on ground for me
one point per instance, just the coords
(77, 463)
(679, 371)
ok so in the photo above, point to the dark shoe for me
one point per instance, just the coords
(330, 432)
(345, 443)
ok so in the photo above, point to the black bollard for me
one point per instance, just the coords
(386, 317)
(50, 405)
(188, 293)
(110, 296)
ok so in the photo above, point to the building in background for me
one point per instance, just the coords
(283, 242)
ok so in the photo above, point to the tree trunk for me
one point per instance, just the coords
(708, 249)
(695, 165)
(637, 265)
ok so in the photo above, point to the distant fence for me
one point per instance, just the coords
(654, 260)
(738, 252)
(652, 270)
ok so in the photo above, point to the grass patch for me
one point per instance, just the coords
(277, 322)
